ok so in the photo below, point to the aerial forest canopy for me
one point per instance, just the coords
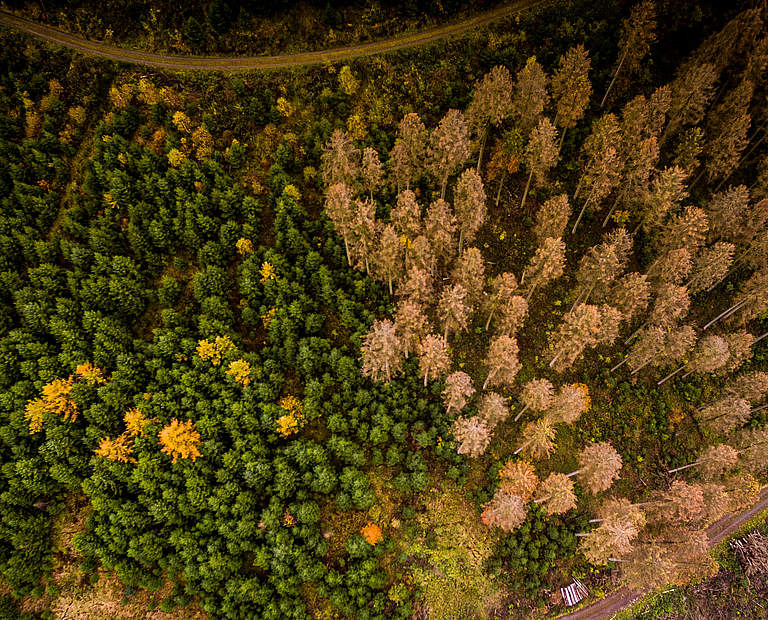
(428, 334)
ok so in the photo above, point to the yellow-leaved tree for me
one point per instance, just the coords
(240, 371)
(136, 422)
(57, 400)
(244, 246)
(93, 375)
(291, 422)
(216, 350)
(33, 414)
(180, 440)
(118, 449)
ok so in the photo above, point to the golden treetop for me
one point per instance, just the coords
(180, 440)
(267, 272)
(182, 122)
(287, 425)
(57, 400)
(292, 191)
(347, 80)
(136, 422)
(241, 372)
(92, 374)
(585, 391)
(268, 316)
(291, 403)
(33, 414)
(118, 449)
(148, 92)
(216, 350)
(372, 533)
(284, 106)
(244, 246)
(176, 157)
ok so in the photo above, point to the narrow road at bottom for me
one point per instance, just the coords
(624, 597)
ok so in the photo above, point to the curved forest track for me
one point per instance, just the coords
(624, 597)
(255, 63)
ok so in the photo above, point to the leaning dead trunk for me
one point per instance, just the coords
(670, 375)
(616, 73)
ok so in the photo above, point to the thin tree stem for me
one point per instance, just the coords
(522, 411)
(641, 366)
(554, 359)
(610, 212)
(501, 184)
(346, 249)
(489, 377)
(490, 316)
(728, 312)
(620, 364)
(527, 186)
(743, 157)
(575, 303)
(482, 146)
(610, 86)
(670, 375)
(528, 297)
(581, 213)
(698, 176)
(633, 334)
(521, 448)
(676, 469)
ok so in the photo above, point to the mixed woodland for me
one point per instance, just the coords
(429, 334)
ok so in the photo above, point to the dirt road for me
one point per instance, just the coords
(624, 597)
(201, 63)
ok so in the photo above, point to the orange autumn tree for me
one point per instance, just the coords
(372, 533)
(119, 449)
(93, 375)
(180, 440)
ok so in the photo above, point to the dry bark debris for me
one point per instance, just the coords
(752, 553)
